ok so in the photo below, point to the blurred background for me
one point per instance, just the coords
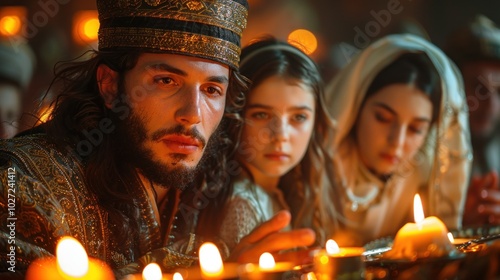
(330, 31)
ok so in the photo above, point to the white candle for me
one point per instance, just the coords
(427, 237)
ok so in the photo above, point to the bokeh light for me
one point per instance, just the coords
(85, 27)
(10, 25)
(304, 40)
(11, 20)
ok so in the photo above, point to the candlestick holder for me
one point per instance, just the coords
(281, 270)
(71, 262)
(380, 267)
(165, 276)
(347, 264)
(46, 268)
(230, 272)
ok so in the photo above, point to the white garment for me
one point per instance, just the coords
(248, 207)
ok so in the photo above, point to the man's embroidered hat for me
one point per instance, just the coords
(208, 29)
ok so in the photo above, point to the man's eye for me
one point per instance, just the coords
(164, 80)
(214, 91)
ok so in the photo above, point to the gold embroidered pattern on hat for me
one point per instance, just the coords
(226, 14)
(173, 41)
(178, 26)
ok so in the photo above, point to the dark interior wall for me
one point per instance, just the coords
(438, 17)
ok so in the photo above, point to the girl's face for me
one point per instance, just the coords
(279, 121)
(392, 126)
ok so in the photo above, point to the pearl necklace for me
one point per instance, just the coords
(356, 203)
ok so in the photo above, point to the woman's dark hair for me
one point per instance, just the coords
(79, 109)
(306, 185)
(411, 69)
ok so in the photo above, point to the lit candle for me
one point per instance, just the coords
(211, 265)
(177, 276)
(210, 261)
(153, 271)
(334, 262)
(71, 262)
(267, 269)
(427, 237)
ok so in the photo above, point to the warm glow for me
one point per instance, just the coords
(72, 259)
(45, 114)
(90, 28)
(254, 3)
(152, 272)
(450, 237)
(11, 20)
(311, 276)
(85, 27)
(304, 40)
(266, 261)
(177, 276)
(332, 247)
(418, 211)
(10, 25)
(210, 260)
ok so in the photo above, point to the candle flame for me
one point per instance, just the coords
(418, 211)
(152, 272)
(177, 276)
(266, 261)
(450, 237)
(332, 247)
(72, 259)
(210, 260)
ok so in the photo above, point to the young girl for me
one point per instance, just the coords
(402, 129)
(282, 154)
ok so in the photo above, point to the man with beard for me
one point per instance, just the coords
(133, 161)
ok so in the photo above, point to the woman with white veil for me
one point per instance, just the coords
(401, 129)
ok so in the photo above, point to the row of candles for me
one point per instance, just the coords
(413, 241)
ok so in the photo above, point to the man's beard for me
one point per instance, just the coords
(133, 135)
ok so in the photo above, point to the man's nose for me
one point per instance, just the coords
(189, 112)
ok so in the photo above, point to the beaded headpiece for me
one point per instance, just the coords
(208, 29)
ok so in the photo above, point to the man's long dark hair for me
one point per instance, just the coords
(79, 109)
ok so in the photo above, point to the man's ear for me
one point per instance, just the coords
(107, 80)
